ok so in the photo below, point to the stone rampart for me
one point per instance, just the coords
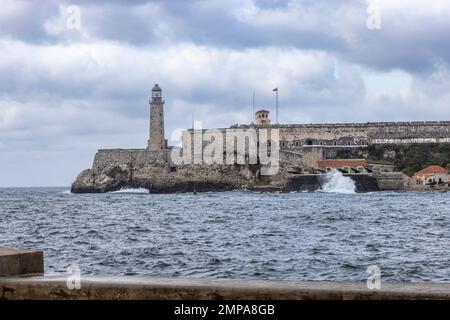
(360, 134)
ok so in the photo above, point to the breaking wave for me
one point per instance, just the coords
(335, 182)
(131, 190)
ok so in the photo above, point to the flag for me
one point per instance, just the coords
(276, 89)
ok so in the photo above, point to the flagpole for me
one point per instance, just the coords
(253, 115)
(277, 103)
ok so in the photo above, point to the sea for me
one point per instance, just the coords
(332, 234)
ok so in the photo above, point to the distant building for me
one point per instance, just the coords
(262, 118)
(345, 165)
(432, 175)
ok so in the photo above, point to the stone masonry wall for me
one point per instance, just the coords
(366, 133)
(357, 134)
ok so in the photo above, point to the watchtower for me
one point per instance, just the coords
(262, 118)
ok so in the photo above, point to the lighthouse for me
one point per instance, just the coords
(156, 137)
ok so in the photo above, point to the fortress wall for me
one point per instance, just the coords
(410, 133)
(357, 134)
(324, 134)
(362, 133)
(109, 158)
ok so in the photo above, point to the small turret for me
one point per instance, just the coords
(262, 118)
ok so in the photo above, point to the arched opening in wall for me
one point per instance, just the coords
(309, 142)
(320, 143)
(335, 143)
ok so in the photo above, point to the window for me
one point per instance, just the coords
(173, 169)
(321, 143)
(335, 143)
(309, 142)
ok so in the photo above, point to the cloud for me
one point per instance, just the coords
(66, 92)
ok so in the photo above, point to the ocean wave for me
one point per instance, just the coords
(336, 182)
(131, 190)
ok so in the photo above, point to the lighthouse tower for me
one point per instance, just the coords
(156, 141)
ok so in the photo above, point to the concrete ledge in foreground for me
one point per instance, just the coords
(14, 262)
(136, 287)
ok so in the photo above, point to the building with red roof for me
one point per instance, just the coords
(432, 176)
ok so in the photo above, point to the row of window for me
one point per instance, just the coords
(360, 169)
(421, 182)
(297, 144)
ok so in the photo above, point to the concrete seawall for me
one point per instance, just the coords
(20, 279)
(139, 288)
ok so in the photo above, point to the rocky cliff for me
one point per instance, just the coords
(116, 169)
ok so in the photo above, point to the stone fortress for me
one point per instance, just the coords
(301, 147)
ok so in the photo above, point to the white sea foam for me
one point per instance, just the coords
(335, 182)
(66, 192)
(131, 190)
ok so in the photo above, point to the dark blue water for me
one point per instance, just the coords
(297, 236)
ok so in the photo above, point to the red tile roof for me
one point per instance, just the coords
(431, 170)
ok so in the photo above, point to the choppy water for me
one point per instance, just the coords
(297, 236)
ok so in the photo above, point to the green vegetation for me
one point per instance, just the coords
(411, 158)
(407, 158)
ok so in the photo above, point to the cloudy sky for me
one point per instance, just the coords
(69, 86)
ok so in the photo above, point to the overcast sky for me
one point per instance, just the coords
(70, 86)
